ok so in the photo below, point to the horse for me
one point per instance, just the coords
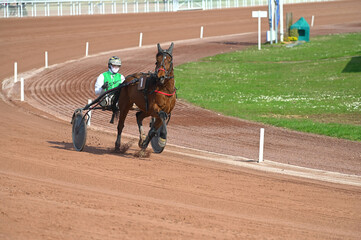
(157, 99)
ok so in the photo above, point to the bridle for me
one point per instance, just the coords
(162, 66)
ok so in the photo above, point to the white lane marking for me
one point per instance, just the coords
(270, 166)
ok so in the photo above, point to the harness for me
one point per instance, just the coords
(166, 94)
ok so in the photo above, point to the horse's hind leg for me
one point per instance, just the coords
(142, 136)
(123, 112)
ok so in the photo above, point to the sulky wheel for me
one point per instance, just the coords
(159, 141)
(79, 131)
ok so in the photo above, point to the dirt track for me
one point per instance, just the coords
(50, 191)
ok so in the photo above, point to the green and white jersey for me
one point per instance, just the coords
(113, 80)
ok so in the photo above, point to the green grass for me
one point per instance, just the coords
(314, 87)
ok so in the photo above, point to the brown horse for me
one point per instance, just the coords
(157, 100)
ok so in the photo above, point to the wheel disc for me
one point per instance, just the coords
(79, 131)
(158, 142)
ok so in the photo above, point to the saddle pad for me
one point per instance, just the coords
(141, 84)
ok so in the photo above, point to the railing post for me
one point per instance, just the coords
(140, 39)
(15, 72)
(22, 89)
(261, 145)
(86, 49)
(21, 10)
(46, 59)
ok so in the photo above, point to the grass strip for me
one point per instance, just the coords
(313, 87)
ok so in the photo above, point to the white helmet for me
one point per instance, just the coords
(114, 61)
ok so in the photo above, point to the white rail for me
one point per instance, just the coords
(37, 8)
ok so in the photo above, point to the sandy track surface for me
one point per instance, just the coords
(50, 191)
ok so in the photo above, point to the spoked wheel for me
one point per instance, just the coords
(79, 131)
(159, 141)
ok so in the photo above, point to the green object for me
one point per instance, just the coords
(303, 29)
(114, 80)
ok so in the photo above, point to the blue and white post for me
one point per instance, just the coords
(270, 19)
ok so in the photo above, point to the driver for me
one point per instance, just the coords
(109, 80)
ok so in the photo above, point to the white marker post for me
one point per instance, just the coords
(15, 72)
(140, 39)
(89, 113)
(259, 15)
(22, 89)
(86, 48)
(201, 36)
(313, 19)
(46, 59)
(261, 145)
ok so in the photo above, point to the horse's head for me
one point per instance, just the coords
(164, 64)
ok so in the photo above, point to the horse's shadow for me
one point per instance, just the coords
(89, 149)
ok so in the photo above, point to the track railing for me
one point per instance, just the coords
(38, 8)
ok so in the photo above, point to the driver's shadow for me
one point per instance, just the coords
(89, 149)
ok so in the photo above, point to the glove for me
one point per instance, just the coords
(105, 85)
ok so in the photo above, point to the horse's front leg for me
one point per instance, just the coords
(151, 134)
(163, 133)
(142, 136)
(159, 121)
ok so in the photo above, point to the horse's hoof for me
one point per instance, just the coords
(141, 141)
(117, 147)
